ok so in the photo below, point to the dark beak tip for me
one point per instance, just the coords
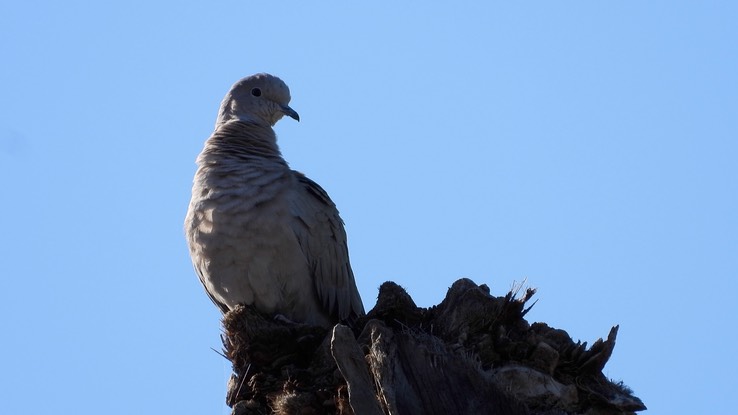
(286, 110)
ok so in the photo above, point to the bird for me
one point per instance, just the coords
(258, 232)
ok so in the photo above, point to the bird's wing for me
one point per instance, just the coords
(321, 235)
(222, 306)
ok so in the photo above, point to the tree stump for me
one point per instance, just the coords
(471, 354)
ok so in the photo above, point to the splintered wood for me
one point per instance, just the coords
(471, 354)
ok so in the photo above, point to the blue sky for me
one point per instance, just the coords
(588, 147)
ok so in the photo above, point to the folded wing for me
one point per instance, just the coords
(322, 237)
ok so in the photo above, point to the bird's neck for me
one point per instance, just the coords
(243, 140)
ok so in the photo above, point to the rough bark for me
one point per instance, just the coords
(471, 354)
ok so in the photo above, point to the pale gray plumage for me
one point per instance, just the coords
(260, 233)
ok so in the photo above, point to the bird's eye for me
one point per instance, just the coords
(256, 92)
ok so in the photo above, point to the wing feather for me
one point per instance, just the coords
(322, 237)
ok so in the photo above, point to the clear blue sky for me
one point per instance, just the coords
(590, 148)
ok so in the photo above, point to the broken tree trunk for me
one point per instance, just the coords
(471, 354)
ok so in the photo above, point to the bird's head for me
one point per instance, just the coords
(260, 98)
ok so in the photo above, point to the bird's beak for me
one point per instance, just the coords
(290, 112)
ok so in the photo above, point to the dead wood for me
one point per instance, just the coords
(471, 354)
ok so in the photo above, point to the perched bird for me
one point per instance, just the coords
(260, 233)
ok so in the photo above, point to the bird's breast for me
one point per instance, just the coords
(241, 241)
(233, 201)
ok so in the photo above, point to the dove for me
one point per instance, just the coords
(260, 233)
